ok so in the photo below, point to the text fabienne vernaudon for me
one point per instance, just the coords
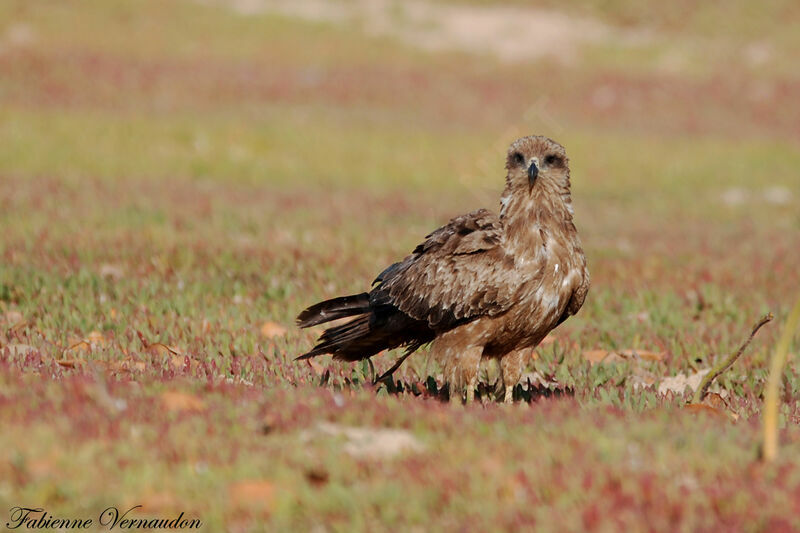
(110, 518)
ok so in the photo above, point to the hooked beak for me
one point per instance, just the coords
(533, 171)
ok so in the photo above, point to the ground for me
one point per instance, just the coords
(179, 179)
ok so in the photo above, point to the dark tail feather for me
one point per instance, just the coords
(381, 327)
(356, 304)
(357, 340)
(342, 340)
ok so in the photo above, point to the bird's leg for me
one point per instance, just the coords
(511, 368)
(509, 396)
(470, 367)
(461, 371)
(471, 389)
(460, 363)
(455, 394)
(451, 378)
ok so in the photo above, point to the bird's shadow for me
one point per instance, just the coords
(527, 392)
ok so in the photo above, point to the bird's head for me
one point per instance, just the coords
(537, 161)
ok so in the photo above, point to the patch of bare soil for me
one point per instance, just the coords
(509, 33)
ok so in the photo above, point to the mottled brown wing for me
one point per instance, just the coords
(460, 272)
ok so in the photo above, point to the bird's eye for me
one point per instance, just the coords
(552, 160)
(518, 158)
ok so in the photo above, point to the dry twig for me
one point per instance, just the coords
(725, 364)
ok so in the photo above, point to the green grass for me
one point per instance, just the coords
(173, 176)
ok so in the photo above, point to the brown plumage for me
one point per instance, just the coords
(482, 286)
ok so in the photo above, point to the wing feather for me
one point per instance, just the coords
(459, 272)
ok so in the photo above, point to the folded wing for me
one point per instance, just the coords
(460, 272)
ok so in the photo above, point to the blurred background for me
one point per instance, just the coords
(317, 137)
(178, 179)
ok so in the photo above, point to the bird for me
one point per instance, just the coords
(484, 286)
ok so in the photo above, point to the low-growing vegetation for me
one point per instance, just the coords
(179, 179)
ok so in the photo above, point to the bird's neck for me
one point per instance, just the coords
(528, 213)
